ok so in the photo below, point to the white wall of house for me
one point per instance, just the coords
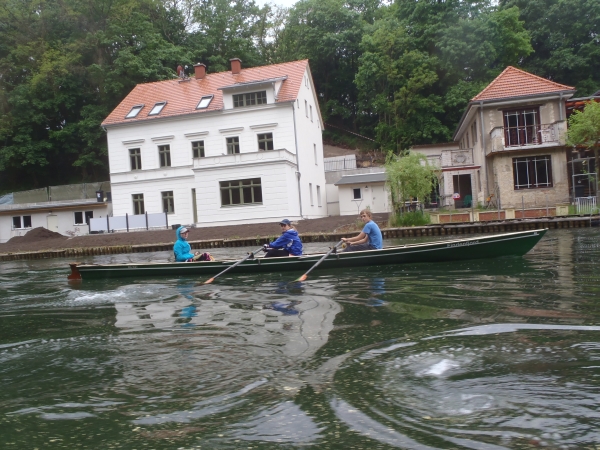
(61, 216)
(373, 196)
(277, 169)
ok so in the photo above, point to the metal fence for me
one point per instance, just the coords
(335, 164)
(129, 222)
(586, 205)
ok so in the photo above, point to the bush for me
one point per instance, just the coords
(410, 219)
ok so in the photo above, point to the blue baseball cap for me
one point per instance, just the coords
(285, 222)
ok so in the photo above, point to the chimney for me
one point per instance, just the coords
(236, 65)
(200, 71)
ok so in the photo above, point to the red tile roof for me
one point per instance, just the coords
(182, 97)
(513, 82)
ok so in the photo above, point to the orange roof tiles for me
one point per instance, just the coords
(182, 97)
(513, 82)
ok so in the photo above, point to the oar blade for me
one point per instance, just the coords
(209, 281)
(302, 278)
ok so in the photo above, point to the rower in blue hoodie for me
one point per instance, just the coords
(288, 244)
(183, 250)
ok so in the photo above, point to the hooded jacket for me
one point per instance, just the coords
(289, 241)
(181, 248)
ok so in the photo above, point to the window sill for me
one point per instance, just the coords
(242, 204)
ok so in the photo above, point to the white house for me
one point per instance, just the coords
(223, 148)
(67, 217)
(360, 191)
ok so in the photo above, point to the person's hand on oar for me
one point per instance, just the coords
(232, 266)
(305, 276)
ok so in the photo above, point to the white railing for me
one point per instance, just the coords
(128, 223)
(586, 205)
(244, 159)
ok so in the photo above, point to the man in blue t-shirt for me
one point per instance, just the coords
(368, 239)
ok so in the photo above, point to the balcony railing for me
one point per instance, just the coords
(245, 159)
(457, 158)
(521, 137)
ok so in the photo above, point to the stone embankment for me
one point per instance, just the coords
(429, 230)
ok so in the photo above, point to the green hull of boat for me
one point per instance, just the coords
(507, 244)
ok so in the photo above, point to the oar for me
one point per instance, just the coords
(232, 266)
(305, 276)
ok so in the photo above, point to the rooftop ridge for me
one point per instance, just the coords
(513, 82)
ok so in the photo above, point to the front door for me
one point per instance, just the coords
(53, 223)
(462, 186)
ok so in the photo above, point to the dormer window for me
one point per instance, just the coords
(134, 111)
(158, 107)
(204, 102)
(249, 99)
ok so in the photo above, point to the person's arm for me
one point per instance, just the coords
(360, 239)
(181, 253)
(280, 242)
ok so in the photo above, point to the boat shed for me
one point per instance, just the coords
(367, 190)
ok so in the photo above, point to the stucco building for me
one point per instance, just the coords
(222, 148)
(509, 145)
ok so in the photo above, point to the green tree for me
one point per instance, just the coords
(395, 81)
(409, 177)
(328, 33)
(564, 35)
(584, 130)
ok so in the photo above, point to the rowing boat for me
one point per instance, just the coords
(506, 244)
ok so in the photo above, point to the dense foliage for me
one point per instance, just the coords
(584, 130)
(400, 73)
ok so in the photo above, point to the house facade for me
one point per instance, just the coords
(516, 130)
(67, 217)
(218, 149)
(509, 148)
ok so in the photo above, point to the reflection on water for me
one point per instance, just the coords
(487, 354)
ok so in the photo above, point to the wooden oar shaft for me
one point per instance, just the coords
(305, 276)
(232, 266)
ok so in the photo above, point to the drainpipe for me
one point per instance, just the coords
(297, 160)
(485, 169)
(560, 108)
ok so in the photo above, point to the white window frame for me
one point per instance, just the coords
(359, 193)
(319, 204)
(312, 201)
(22, 223)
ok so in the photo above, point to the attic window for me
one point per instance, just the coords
(204, 102)
(134, 111)
(158, 107)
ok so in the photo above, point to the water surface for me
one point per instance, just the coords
(487, 354)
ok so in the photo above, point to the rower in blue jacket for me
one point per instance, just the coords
(183, 251)
(288, 244)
